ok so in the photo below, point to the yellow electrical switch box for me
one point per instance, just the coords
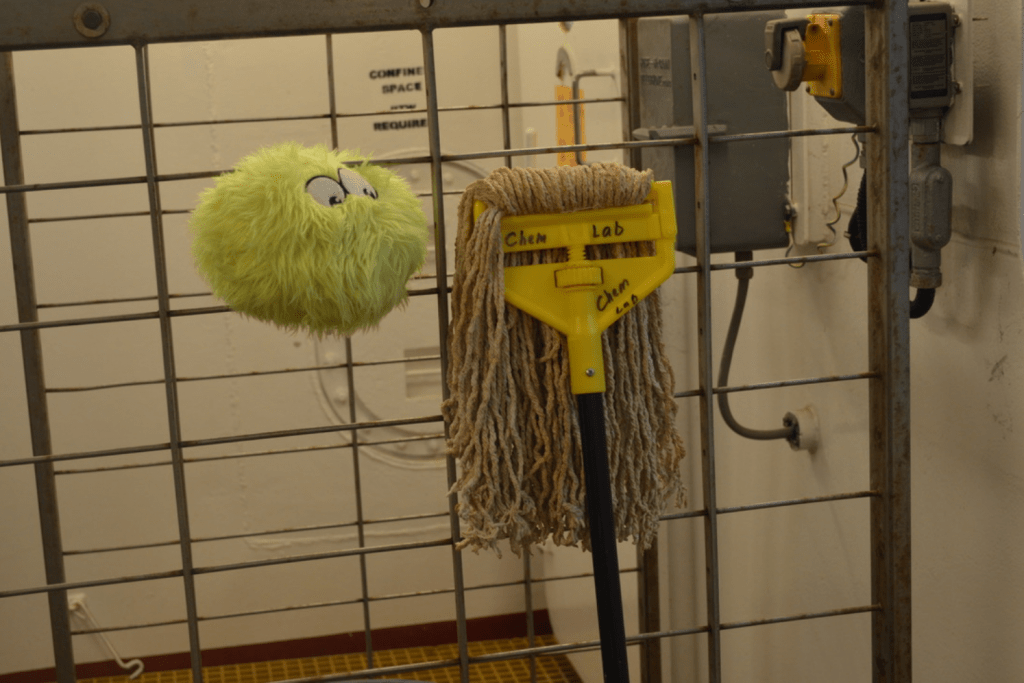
(824, 66)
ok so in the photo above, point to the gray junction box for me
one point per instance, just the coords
(748, 179)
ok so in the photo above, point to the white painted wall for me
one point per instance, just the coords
(966, 382)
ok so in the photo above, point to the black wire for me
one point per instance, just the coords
(922, 302)
(743, 276)
(858, 234)
(857, 231)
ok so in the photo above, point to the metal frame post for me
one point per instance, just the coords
(35, 385)
(702, 190)
(170, 379)
(886, 45)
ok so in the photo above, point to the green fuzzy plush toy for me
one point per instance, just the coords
(310, 238)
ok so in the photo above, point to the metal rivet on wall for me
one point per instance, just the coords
(92, 19)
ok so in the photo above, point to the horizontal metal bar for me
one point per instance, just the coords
(802, 617)
(778, 385)
(539, 651)
(236, 375)
(844, 256)
(123, 548)
(772, 504)
(330, 603)
(176, 573)
(85, 455)
(561, 648)
(806, 132)
(234, 456)
(73, 322)
(494, 154)
(160, 21)
(226, 440)
(592, 147)
(77, 585)
(130, 627)
(129, 300)
(516, 654)
(255, 454)
(107, 182)
(268, 532)
(353, 552)
(95, 216)
(643, 637)
(322, 527)
(378, 672)
(794, 382)
(149, 315)
(309, 431)
(319, 117)
(788, 260)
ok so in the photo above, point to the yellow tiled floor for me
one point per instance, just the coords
(550, 669)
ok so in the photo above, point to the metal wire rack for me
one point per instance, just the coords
(140, 25)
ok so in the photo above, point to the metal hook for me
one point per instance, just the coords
(577, 127)
(563, 64)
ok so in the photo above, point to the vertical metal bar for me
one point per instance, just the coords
(648, 588)
(32, 360)
(350, 377)
(170, 375)
(360, 521)
(886, 35)
(531, 630)
(702, 153)
(506, 126)
(649, 598)
(629, 70)
(330, 91)
(441, 259)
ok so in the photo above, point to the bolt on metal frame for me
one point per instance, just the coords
(33, 27)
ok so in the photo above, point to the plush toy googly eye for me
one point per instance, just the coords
(355, 184)
(267, 247)
(330, 192)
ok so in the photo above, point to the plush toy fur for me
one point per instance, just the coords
(271, 251)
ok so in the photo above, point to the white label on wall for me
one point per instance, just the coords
(397, 82)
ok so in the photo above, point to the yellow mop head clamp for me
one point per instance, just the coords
(582, 298)
(311, 238)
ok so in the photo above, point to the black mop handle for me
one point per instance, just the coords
(602, 538)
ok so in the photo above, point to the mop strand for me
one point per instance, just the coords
(514, 426)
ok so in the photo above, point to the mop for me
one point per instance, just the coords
(577, 252)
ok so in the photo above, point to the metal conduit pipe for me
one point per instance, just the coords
(789, 432)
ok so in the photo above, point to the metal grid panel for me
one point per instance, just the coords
(146, 23)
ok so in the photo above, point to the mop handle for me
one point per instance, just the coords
(603, 551)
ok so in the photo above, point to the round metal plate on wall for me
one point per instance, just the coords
(397, 371)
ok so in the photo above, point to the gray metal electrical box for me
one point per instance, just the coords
(748, 179)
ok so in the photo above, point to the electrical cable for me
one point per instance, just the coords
(922, 302)
(857, 230)
(743, 275)
(821, 246)
(857, 233)
(835, 200)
